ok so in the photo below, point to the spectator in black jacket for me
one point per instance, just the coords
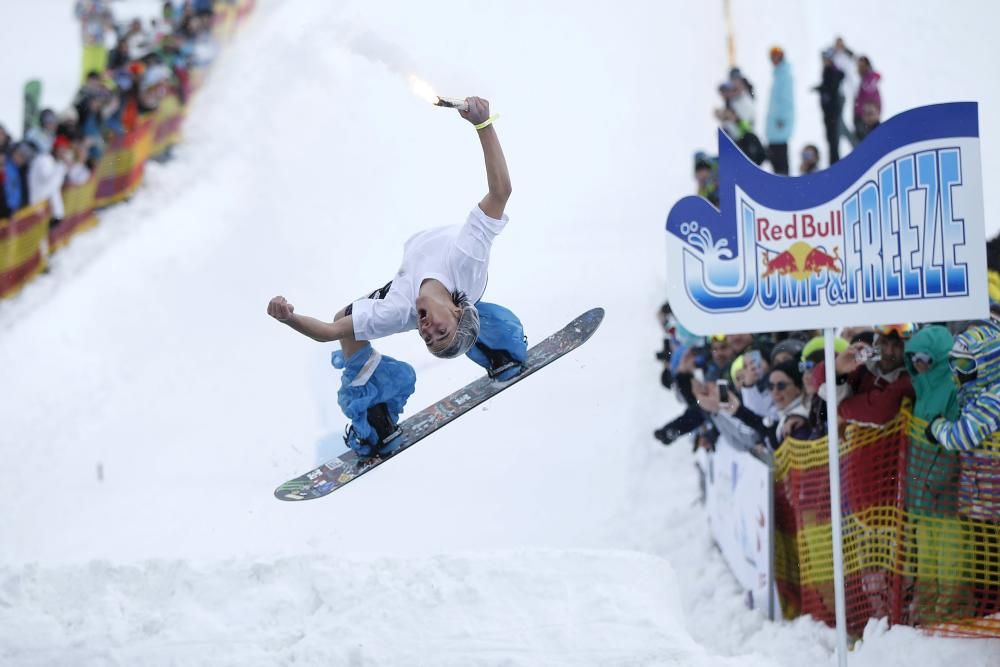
(831, 101)
(785, 384)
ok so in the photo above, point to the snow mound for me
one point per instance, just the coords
(511, 608)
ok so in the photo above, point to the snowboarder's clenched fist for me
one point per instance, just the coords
(280, 309)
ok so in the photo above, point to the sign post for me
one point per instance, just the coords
(833, 447)
(892, 233)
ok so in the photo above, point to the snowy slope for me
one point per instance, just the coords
(150, 406)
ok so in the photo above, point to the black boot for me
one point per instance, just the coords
(378, 417)
(385, 434)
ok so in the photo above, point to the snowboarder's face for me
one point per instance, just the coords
(436, 322)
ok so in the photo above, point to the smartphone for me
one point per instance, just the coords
(755, 358)
(868, 354)
(723, 392)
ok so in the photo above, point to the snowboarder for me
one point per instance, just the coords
(442, 277)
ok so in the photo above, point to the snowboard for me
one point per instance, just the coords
(32, 97)
(337, 472)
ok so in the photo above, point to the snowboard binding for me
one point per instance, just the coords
(500, 362)
(387, 434)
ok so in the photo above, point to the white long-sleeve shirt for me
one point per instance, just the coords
(45, 180)
(457, 256)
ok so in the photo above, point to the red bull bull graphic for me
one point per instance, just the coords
(894, 226)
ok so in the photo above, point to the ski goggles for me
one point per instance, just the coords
(901, 331)
(963, 365)
(806, 365)
(919, 357)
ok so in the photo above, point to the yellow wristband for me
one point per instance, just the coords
(487, 122)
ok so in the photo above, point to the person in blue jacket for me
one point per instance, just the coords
(14, 184)
(780, 112)
(975, 365)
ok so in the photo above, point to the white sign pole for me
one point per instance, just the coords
(833, 443)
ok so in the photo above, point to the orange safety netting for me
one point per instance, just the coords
(921, 530)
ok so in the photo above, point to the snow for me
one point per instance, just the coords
(150, 406)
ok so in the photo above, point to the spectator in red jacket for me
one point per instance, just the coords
(872, 381)
(868, 93)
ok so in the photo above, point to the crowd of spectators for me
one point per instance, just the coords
(844, 77)
(757, 390)
(129, 68)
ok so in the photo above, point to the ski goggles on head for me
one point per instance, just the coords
(921, 357)
(963, 365)
(901, 331)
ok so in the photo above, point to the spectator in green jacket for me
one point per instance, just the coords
(932, 482)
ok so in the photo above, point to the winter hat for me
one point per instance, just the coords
(155, 75)
(736, 367)
(816, 344)
(792, 346)
(789, 368)
(62, 141)
(776, 51)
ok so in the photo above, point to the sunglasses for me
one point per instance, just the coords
(806, 366)
(963, 365)
(778, 386)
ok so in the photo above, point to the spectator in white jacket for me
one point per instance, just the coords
(46, 175)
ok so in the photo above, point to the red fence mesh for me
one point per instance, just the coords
(921, 530)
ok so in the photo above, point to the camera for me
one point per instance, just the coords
(868, 354)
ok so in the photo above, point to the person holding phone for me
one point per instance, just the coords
(872, 380)
(784, 383)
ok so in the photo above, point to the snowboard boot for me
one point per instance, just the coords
(386, 438)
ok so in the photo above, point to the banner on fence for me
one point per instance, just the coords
(738, 498)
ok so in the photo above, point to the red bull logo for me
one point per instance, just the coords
(800, 261)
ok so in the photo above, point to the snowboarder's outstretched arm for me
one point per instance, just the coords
(342, 328)
(497, 177)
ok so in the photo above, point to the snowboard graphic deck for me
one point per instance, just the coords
(337, 472)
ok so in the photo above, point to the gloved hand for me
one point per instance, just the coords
(667, 434)
(934, 427)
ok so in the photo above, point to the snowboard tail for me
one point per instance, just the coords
(337, 472)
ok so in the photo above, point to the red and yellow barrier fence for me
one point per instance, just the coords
(20, 246)
(921, 529)
(80, 214)
(117, 176)
(120, 170)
